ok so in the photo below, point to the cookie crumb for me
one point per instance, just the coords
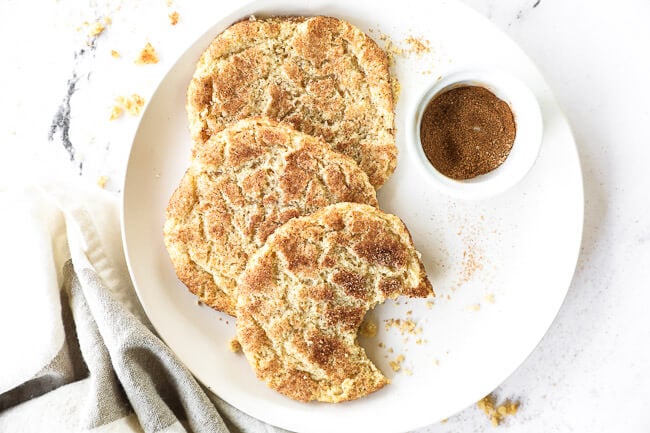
(116, 112)
(234, 345)
(474, 307)
(368, 329)
(101, 181)
(497, 414)
(96, 29)
(132, 105)
(147, 56)
(490, 298)
(417, 46)
(396, 364)
(408, 372)
(429, 304)
(173, 18)
(115, 54)
(405, 327)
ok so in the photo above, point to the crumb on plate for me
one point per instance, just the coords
(396, 364)
(234, 345)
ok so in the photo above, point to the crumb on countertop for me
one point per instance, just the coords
(474, 307)
(429, 304)
(116, 112)
(101, 181)
(368, 328)
(132, 104)
(115, 54)
(96, 29)
(497, 414)
(234, 345)
(147, 56)
(490, 298)
(173, 18)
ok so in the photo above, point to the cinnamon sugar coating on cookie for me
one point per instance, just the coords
(305, 293)
(321, 75)
(244, 183)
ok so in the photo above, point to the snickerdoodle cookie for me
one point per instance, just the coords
(304, 295)
(242, 184)
(322, 75)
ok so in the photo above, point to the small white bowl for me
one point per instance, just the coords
(528, 136)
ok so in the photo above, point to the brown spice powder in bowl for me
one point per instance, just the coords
(467, 131)
(476, 133)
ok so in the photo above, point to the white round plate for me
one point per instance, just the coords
(500, 267)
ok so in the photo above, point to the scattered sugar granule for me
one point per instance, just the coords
(147, 56)
(173, 18)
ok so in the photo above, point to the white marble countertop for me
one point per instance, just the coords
(589, 373)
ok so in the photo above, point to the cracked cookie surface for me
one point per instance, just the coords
(322, 75)
(242, 184)
(305, 293)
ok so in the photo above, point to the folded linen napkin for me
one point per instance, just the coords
(78, 353)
